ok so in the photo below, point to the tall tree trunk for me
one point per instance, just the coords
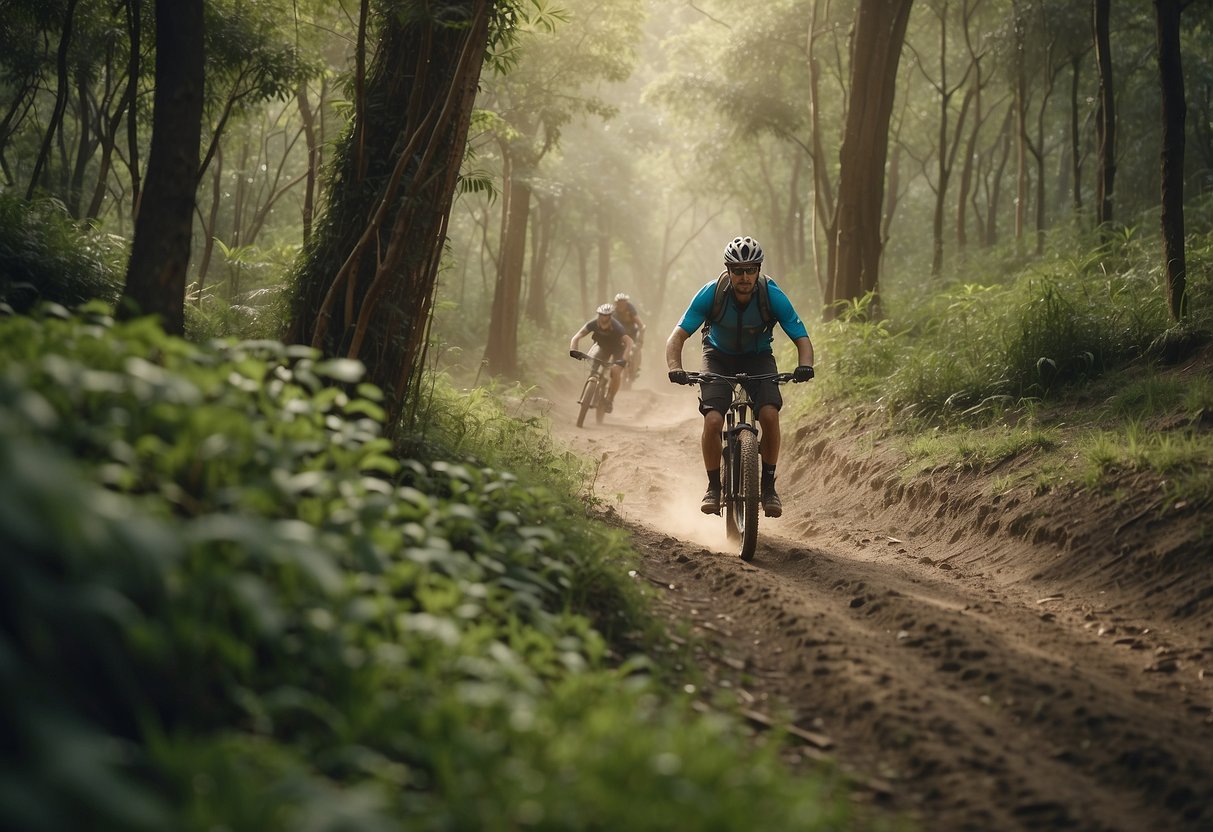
(1075, 135)
(965, 185)
(604, 257)
(1105, 115)
(313, 158)
(160, 254)
(892, 194)
(52, 128)
(86, 144)
(583, 271)
(210, 223)
(793, 224)
(1021, 130)
(235, 239)
(942, 168)
(995, 200)
(502, 347)
(880, 27)
(542, 232)
(134, 25)
(1174, 118)
(365, 285)
(108, 140)
(824, 209)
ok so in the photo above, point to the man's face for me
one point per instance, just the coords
(743, 279)
(604, 322)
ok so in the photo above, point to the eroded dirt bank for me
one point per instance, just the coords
(1010, 662)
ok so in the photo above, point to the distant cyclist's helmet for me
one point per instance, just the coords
(606, 309)
(742, 251)
(621, 296)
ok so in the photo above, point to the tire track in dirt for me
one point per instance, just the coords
(960, 695)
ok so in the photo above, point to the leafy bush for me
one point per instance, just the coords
(226, 602)
(46, 257)
(972, 350)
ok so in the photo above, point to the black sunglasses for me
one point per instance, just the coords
(743, 269)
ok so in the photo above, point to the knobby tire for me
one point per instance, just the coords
(727, 495)
(587, 399)
(747, 493)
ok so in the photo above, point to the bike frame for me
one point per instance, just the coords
(740, 464)
(594, 390)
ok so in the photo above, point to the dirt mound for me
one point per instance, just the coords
(978, 660)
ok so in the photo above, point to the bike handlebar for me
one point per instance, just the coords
(778, 378)
(581, 356)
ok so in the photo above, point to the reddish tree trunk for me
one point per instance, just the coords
(880, 27)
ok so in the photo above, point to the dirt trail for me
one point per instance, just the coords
(979, 663)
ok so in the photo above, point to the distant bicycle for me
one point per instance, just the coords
(594, 391)
(741, 465)
(632, 371)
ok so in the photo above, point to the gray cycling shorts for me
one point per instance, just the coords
(602, 355)
(718, 395)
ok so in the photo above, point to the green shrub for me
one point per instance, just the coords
(47, 257)
(228, 603)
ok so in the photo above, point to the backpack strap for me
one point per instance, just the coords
(760, 289)
(722, 286)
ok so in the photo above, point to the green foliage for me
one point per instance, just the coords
(992, 364)
(862, 347)
(46, 256)
(226, 601)
(253, 54)
(974, 348)
(979, 449)
(1183, 459)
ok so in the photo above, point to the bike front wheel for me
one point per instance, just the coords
(728, 494)
(749, 469)
(587, 399)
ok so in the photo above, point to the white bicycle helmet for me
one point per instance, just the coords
(742, 251)
(606, 309)
(621, 296)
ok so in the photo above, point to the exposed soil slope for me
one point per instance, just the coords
(1012, 662)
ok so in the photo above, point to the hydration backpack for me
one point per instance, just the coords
(760, 290)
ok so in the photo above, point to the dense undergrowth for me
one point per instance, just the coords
(227, 602)
(46, 256)
(1016, 358)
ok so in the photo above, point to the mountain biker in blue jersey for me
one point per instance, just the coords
(738, 312)
(611, 343)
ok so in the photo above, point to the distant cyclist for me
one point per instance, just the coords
(738, 312)
(626, 314)
(611, 343)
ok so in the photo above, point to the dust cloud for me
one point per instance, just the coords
(647, 453)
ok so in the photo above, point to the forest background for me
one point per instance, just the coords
(614, 145)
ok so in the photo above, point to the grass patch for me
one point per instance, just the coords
(1182, 458)
(1003, 363)
(980, 449)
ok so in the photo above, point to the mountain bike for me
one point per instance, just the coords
(740, 464)
(632, 371)
(594, 391)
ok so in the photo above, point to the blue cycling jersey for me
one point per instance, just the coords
(740, 329)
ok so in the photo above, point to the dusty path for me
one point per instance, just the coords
(958, 683)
